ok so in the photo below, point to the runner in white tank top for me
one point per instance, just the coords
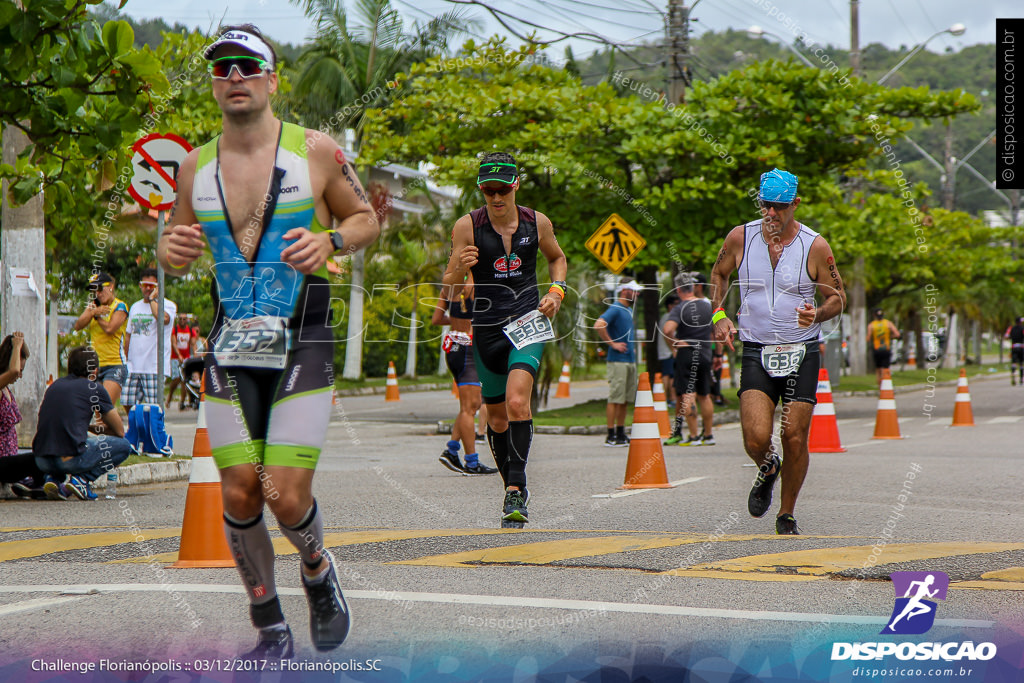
(781, 266)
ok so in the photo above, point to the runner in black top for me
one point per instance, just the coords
(1016, 336)
(499, 243)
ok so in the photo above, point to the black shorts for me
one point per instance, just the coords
(495, 357)
(461, 365)
(692, 372)
(1017, 356)
(801, 385)
(883, 358)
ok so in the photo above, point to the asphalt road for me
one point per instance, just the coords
(652, 583)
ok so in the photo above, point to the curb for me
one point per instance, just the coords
(369, 391)
(907, 388)
(149, 473)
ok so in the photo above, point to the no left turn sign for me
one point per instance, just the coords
(155, 164)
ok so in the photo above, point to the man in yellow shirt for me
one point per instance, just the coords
(880, 335)
(106, 316)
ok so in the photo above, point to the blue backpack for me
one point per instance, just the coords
(146, 433)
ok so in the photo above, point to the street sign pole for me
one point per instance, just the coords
(160, 368)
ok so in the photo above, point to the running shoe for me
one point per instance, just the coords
(707, 440)
(24, 489)
(760, 498)
(451, 461)
(785, 525)
(622, 440)
(329, 618)
(479, 468)
(611, 442)
(691, 441)
(55, 490)
(674, 439)
(77, 487)
(514, 508)
(481, 438)
(272, 643)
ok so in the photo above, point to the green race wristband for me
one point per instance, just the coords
(718, 315)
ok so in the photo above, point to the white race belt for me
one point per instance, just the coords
(258, 342)
(529, 329)
(780, 360)
(453, 340)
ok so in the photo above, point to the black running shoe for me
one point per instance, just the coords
(785, 525)
(24, 489)
(514, 508)
(55, 490)
(329, 618)
(451, 461)
(272, 643)
(760, 498)
(481, 438)
(479, 468)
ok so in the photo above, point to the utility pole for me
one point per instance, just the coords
(22, 250)
(677, 50)
(949, 174)
(858, 297)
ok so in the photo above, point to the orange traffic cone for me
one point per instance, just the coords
(202, 530)
(887, 422)
(49, 381)
(645, 468)
(391, 392)
(912, 360)
(726, 373)
(824, 436)
(455, 389)
(563, 382)
(661, 407)
(963, 416)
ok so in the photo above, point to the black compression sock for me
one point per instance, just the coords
(520, 438)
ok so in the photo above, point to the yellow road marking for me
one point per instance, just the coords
(989, 585)
(282, 546)
(825, 561)
(1008, 574)
(34, 547)
(546, 552)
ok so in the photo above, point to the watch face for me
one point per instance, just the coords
(337, 240)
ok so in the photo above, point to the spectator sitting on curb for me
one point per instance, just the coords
(13, 356)
(62, 445)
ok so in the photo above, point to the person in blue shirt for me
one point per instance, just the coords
(615, 327)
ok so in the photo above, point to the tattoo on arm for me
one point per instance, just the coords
(721, 257)
(352, 183)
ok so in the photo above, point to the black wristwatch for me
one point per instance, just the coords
(337, 241)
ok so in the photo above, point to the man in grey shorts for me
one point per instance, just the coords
(615, 327)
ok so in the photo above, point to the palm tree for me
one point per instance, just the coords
(350, 68)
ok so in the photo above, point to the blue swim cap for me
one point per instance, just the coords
(778, 186)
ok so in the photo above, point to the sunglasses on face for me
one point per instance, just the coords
(247, 67)
(501, 191)
(778, 206)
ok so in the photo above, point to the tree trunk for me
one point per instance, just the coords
(354, 341)
(22, 247)
(858, 321)
(410, 355)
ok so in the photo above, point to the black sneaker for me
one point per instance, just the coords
(622, 440)
(55, 490)
(479, 468)
(785, 525)
(514, 508)
(329, 618)
(451, 461)
(24, 489)
(707, 440)
(691, 441)
(272, 643)
(481, 438)
(760, 498)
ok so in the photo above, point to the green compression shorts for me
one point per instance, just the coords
(495, 357)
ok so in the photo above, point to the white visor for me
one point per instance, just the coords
(244, 39)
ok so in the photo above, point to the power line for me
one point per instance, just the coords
(574, 19)
(615, 9)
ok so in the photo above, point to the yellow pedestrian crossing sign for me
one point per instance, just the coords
(615, 243)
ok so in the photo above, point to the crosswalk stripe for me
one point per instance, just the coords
(34, 547)
(546, 552)
(825, 561)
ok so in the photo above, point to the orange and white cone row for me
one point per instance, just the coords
(202, 529)
(824, 436)
(661, 407)
(563, 382)
(645, 467)
(963, 414)
(391, 390)
(887, 422)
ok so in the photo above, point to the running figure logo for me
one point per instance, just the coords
(913, 614)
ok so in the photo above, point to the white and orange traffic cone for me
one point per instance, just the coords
(391, 391)
(824, 436)
(645, 467)
(963, 415)
(912, 359)
(49, 381)
(202, 530)
(661, 407)
(726, 372)
(887, 422)
(563, 382)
